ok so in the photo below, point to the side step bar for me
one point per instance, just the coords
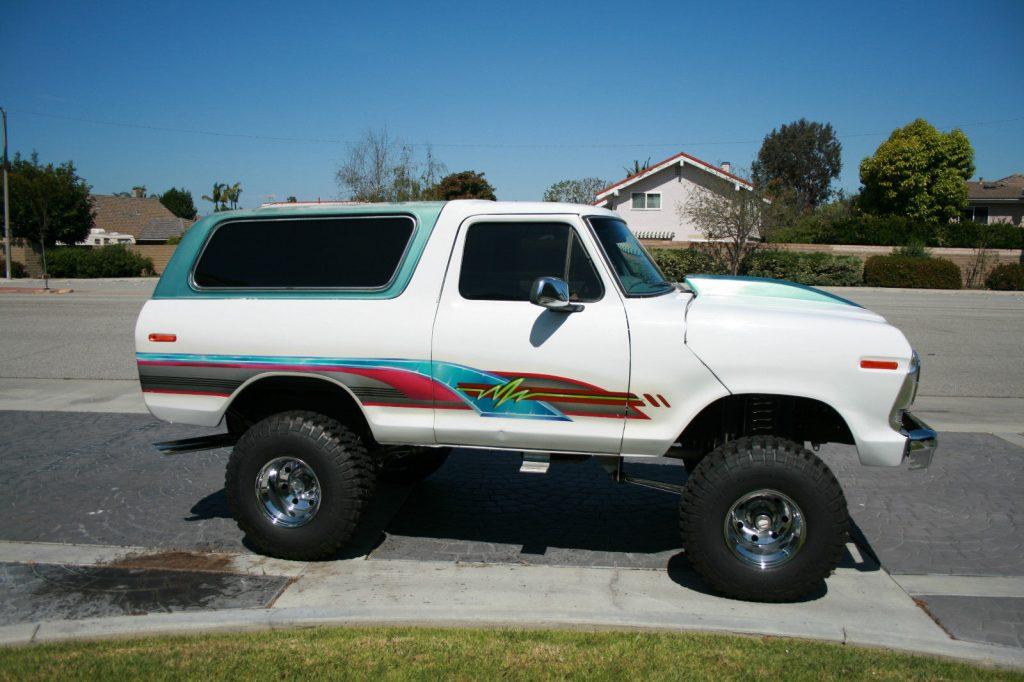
(176, 447)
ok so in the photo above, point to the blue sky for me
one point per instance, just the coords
(529, 93)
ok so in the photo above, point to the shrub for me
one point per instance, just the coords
(896, 231)
(18, 270)
(1006, 277)
(816, 269)
(104, 261)
(676, 264)
(911, 273)
(913, 249)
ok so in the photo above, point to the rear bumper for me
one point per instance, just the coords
(921, 442)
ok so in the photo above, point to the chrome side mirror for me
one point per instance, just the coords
(552, 293)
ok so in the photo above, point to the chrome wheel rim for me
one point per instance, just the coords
(288, 492)
(764, 528)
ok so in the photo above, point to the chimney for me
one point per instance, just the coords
(727, 167)
(139, 192)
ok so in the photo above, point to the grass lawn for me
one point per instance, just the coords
(420, 653)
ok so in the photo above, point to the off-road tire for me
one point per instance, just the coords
(345, 470)
(405, 465)
(741, 467)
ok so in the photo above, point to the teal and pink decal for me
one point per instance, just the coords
(392, 382)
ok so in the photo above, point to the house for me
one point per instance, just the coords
(996, 201)
(144, 219)
(649, 200)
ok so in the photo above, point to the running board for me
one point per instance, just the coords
(176, 447)
(655, 485)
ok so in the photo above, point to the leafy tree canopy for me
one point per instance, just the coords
(581, 191)
(465, 185)
(918, 172)
(179, 202)
(799, 160)
(49, 203)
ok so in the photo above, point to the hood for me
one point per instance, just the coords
(774, 294)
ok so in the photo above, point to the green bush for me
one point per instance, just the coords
(1006, 277)
(18, 270)
(897, 231)
(103, 261)
(676, 264)
(911, 273)
(815, 269)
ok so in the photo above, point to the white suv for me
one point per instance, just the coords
(344, 342)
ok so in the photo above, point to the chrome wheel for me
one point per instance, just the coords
(764, 528)
(288, 492)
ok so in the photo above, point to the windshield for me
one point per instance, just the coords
(637, 273)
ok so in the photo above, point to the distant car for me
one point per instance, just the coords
(341, 343)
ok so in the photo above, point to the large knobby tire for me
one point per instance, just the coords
(326, 461)
(780, 495)
(408, 464)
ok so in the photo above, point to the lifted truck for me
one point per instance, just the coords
(340, 343)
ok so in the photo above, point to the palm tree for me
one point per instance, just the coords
(217, 197)
(637, 167)
(232, 193)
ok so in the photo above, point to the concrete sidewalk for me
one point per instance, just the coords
(862, 605)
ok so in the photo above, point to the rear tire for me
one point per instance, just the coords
(763, 519)
(407, 464)
(336, 482)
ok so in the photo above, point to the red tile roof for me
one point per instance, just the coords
(143, 218)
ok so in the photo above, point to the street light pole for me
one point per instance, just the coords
(7, 206)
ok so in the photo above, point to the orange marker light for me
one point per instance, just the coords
(163, 338)
(879, 364)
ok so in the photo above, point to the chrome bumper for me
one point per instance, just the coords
(921, 441)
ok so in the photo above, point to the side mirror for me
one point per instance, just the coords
(552, 293)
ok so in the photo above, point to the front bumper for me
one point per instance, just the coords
(921, 441)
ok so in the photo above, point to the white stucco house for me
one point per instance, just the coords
(648, 200)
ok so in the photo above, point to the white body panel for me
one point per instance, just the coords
(670, 355)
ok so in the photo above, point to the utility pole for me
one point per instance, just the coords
(7, 206)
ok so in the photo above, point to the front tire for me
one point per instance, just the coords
(298, 483)
(763, 519)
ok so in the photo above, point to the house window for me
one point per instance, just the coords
(647, 201)
(978, 214)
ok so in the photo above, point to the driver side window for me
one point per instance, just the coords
(501, 260)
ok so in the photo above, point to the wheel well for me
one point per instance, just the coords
(274, 394)
(735, 416)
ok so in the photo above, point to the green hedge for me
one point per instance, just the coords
(898, 231)
(103, 261)
(911, 273)
(676, 264)
(815, 269)
(1006, 277)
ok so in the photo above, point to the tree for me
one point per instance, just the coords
(231, 193)
(383, 168)
(801, 158)
(49, 204)
(637, 167)
(581, 191)
(465, 185)
(918, 172)
(732, 223)
(179, 202)
(292, 200)
(217, 197)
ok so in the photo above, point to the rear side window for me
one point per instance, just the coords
(309, 253)
(500, 261)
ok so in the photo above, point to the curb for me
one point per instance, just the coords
(243, 620)
(33, 290)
